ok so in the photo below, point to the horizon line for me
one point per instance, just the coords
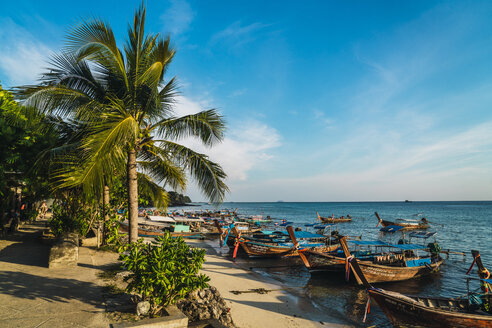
(353, 201)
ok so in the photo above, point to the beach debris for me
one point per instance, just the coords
(254, 290)
(143, 308)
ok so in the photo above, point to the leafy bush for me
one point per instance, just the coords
(164, 271)
(114, 239)
(69, 216)
(29, 215)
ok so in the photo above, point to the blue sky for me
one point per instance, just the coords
(325, 100)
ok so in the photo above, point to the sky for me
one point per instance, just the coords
(324, 100)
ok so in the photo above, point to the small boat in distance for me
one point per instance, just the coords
(406, 224)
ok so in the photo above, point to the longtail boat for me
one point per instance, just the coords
(387, 267)
(406, 224)
(333, 219)
(254, 248)
(144, 232)
(275, 243)
(473, 311)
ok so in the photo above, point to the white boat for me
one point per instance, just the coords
(159, 218)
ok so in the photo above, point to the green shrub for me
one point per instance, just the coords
(29, 215)
(164, 271)
(114, 239)
(69, 216)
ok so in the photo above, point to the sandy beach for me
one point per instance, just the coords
(277, 308)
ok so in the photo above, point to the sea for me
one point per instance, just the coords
(460, 227)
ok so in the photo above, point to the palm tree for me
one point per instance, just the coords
(127, 106)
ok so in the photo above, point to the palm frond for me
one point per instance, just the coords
(207, 125)
(94, 40)
(102, 151)
(208, 175)
(161, 168)
(150, 189)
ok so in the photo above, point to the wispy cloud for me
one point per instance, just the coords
(238, 92)
(238, 34)
(178, 17)
(409, 129)
(320, 117)
(22, 57)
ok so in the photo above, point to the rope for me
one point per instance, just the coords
(368, 309)
(485, 285)
(473, 263)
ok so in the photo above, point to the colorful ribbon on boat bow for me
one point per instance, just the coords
(227, 235)
(347, 267)
(239, 241)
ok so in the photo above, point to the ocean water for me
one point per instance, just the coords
(460, 226)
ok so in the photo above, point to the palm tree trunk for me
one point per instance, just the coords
(132, 196)
(106, 212)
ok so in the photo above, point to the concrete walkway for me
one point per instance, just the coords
(31, 295)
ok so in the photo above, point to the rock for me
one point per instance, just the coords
(206, 304)
(123, 274)
(215, 311)
(203, 315)
(65, 252)
(143, 308)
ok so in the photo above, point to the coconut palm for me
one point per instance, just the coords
(127, 105)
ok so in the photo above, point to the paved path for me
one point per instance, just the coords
(31, 295)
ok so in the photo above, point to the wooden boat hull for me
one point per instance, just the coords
(319, 261)
(406, 226)
(403, 309)
(266, 250)
(374, 273)
(334, 220)
(257, 249)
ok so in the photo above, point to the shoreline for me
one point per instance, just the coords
(281, 306)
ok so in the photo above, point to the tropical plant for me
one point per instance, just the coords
(115, 240)
(70, 215)
(21, 141)
(127, 106)
(164, 271)
(149, 193)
